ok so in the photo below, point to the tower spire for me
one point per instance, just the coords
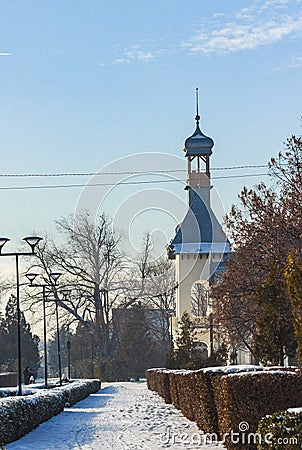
(197, 117)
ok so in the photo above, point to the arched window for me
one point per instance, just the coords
(199, 298)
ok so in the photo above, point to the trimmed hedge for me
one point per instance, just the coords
(243, 399)
(190, 391)
(223, 403)
(19, 415)
(205, 410)
(281, 430)
(174, 377)
(158, 380)
(77, 391)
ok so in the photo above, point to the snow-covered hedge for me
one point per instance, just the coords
(191, 391)
(281, 430)
(222, 399)
(76, 391)
(158, 381)
(244, 398)
(19, 415)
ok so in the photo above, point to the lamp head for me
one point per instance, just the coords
(3, 241)
(55, 276)
(65, 293)
(32, 241)
(31, 277)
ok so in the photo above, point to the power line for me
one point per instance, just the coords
(77, 174)
(62, 186)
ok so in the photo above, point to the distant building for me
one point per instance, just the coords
(200, 245)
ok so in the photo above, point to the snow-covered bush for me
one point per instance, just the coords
(19, 415)
(244, 398)
(74, 392)
(281, 430)
(158, 380)
(190, 391)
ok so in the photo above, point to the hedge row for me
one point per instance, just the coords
(242, 400)
(231, 405)
(77, 391)
(19, 415)
(188, 390)
(281, 430)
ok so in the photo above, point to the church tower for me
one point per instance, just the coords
(200, 245)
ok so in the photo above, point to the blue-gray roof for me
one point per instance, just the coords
(200, 232)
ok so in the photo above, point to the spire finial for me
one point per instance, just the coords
(197, 117)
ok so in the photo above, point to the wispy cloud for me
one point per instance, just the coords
(262, 23)
(5, 54)
(135, 53)
(294, 62)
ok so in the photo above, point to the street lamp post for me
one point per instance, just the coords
(31, 277)
(58, 342)
(32, 241)
(68, 358)
(65, 293)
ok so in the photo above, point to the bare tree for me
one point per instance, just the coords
(92, 265)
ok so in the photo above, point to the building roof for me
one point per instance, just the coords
(200, 232)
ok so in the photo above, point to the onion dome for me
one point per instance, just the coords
(198, 144)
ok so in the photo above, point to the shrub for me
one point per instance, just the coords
(203, 402)
(19, 415)
(281, 430)
(189, 391)
(173, 379)
(243, 399)
(185, 386)
(74, 392)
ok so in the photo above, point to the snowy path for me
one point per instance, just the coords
(121, 416)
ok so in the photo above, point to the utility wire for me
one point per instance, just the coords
(76, 174)
(61, 186)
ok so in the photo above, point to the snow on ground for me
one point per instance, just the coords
(121, 416)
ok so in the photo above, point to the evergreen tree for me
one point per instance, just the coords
(219, 357)
(293, 276)
(8, 344)
(186, 354)
(135, 346)
(274, 338)
(185, 341)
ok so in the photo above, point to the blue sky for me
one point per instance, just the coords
(85, 83)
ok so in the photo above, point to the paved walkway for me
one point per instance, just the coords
(121, 416)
